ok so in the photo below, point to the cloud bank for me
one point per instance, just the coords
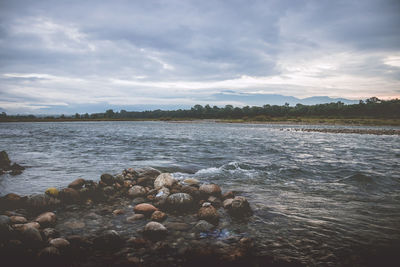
(71, 54)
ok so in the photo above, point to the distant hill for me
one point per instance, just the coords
(275, 99)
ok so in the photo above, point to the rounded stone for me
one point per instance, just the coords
(49, 256)
(203, 226)
(52, 191)
(108, 179)
(180, 202)
(108, 240)
(144, 208)
(137, 191)
(31, 236)
(59, 243)
(135, 217)
(50, 233)
(158, 216)
(77, 184)
(209, 214)
(46, 219)
(240, 208)
(164, 180)
(210, 189)
(191, 182)
(18, 219)
(69, 195)
(155, 231)
(227, 203)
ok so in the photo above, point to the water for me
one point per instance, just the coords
(319, 198)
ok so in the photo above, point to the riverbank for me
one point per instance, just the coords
(140, 217)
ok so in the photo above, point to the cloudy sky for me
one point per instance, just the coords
(87, 55)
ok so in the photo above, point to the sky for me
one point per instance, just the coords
(86, 56)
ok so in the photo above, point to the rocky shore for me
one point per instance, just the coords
(141, 217)
(7, 167)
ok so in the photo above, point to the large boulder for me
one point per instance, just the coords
(108, 179)
(164, 180)
(144, 208)
(137, 191)
(239, 207)
(155, 231)
(77, 184)
(180, 202)
(210, 190)
(46, 219)
(208, 213)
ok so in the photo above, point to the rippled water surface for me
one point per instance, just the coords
(318, 197)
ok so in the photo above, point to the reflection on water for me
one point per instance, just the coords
(318, 197)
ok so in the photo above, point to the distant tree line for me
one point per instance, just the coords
(372, 107)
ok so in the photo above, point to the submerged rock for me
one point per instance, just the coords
(5, 162)
(155, 231)
(203, 226)
(239, 207)
(164, 180)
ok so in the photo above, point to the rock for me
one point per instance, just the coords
(155, 231)
(108, 179)
(148, 172)
(137, 242)
(50, 233)
(50, 256)
(5, 162)
(52, 192)
(15, 172)
(144, 208)
(118, 212)
(162, 195)
(210, 189)
(135, 217)
(11, 201)
(74, 224)
(158, 216)
(164, 180)
(41, 202)
(46, 219)
(240, 208)
(5, 228)
(69, 195)
(203, 226)
(138, 200)
(108, 190)
(227, 195)
(178, 226)
(17, 167)
(227, 204)
(216, 202)
(77, 184)
(18, 219)
(180, 202)
(60, 243)
(31, 237)
(108, 240)
(209, 213)
(145, 181)
(22, 227)
(191, 182)
(191, 190)
(137, 191)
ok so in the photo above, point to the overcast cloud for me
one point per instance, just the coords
(78, 54)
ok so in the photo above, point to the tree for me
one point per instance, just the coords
(77, 116)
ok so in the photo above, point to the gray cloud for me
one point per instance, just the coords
(144, 52)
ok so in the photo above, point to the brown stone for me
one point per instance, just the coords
(69, 195)
(135, 217)
(144, 208)
(18, 219)
(158, 216)
(208, 213)
(210, 189)
(227, 195)
(46, 219)
(118, 212)
(77, 184)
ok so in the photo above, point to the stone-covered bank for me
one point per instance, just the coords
(141, 217)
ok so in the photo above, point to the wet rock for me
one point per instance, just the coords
(22, 227)
(15, 172)
(191, 190)
(148, 172)
(227, 204)
(107, 179)
(210, 190)
(240, 208)
(138, 200)
(164, 180)
(46, 219)
(31, 237)
(216, 202)
(158, 216)
(50, 233)
(18, 219)
(145, 181)
(60, 243)
(77, 184)
(40, 202)
(155, 231)
(74, 224)
(209, 213)
(52, 192)
(227, 195)
(108, 190)
(203, 226)
(49, 256)
(118, 212)
(109, 240)
(162, 195)
(137, 191)
(5, 228)
(178, 226)
(191, 182)
(135, 217)
(180, 202)
(69, 195)
(137, 242)
(11, 201)
(17, 167)
(5, 162)
(144, 208)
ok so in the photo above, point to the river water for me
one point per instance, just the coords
(319, 198)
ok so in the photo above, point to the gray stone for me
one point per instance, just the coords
(155, 231)
(203, 226)
(164, 180)
(137, 191)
